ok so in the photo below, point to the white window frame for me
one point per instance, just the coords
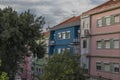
(117, 45)
(107, 44)
(59, 35)
(99, 22)
(59, 50)
(107, 67)
(99, 46)
(108, 20)
(116, 65)
(63, 35)
(68, 34)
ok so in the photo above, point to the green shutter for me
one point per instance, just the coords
(112, 19)
(111, 67)
(103, 21)
(103, 43)
(102, 65)
(111, 43)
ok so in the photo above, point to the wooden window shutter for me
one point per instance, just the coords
(112, 19)
(103, 21)
(111, 43)
(111, 67)
(103, 43)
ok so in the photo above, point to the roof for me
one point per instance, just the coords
(47, 34)
(70, 20)
(75, 20)
(103, 7)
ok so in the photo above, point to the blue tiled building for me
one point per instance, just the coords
(65, 36)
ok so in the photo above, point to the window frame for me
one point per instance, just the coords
(118, 18)
(106, 21)
(98, 25)
(68, 33)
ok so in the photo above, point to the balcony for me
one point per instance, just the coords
(76, 41)
(52, 42)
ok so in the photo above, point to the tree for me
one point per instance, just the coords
(16, 32)
(3, 75)
(63, 66)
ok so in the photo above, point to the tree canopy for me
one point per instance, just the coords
(63, 66)
(16, 31)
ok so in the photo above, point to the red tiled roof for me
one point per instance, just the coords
(47, 34)
(73, 19)
(105, 6)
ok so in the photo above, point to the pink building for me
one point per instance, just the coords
(26, 68)
(104, 55)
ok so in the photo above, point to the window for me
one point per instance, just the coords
(59, 36)
(59, 50)
(63, 50)
(116, 67)
(68, 34)
(68, 49)
(106, 66)
(99, 22)
(63, 35)
(107, 20)
(107, 44)
(99, 44)
(116, 43)
(117, 18)
(84, 44)
(98, 66)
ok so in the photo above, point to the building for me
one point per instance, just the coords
(26, 67)
(65, 36)
(104, 46)
(47, 36)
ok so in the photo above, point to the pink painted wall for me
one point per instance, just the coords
(109, 75)
(112, 28)
(104, 52)
(27, 68)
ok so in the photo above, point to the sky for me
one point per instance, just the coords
(54, 11)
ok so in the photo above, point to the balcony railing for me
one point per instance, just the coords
(52, 42)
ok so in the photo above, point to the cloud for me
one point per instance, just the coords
(54, 11)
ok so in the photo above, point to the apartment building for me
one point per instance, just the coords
(104, 54)
(65, 36)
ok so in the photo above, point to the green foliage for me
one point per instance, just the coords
(63, 66)
(3, 76)
(16, 31)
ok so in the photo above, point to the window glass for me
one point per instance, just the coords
(99, 22)
(84, 44)
(98, 66)
(99, 44)
(116, 43)
(107, 44)
(68, 34)
(107, 20)
(59, 35)
(63, 35)
(116, 67)
(63, 50)
(117, 18)
(107, 67)
(59, 50)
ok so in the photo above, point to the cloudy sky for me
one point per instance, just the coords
(54, 11)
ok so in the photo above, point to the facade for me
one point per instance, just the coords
(85, 41)
(65, 36)
(47, 35)
(104, 47)
(26, 67)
